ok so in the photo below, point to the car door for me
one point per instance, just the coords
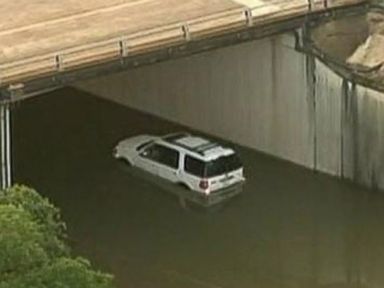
(147, 159)
(160, 160)
(168, 164)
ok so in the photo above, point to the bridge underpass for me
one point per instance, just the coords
(52, 46)
(295, 228)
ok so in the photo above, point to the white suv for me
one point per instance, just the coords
(194, 162)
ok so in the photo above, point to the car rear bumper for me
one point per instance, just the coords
(218, 196)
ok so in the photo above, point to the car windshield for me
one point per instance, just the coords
(141, 146)
(222, 165)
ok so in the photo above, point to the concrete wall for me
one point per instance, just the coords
(261, 94)
(349, 129)
(368, 142)
(327, 144)
(254, 94)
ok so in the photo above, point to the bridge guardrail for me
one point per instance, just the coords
(149, 40)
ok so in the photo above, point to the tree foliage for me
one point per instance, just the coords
(32, 248)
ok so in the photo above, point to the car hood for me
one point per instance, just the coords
(135, 141)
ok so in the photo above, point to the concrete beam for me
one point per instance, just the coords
(49, 40)
(61, 76)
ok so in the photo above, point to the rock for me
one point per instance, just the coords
(370, 54)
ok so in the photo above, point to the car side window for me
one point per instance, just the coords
(162, 155)
(194, 166)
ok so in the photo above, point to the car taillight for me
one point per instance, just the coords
(204, 184)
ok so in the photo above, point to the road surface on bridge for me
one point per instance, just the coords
(44, 37)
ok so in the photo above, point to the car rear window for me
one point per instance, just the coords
(194, 166)
(222, 165)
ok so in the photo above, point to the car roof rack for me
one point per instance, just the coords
(173, 137)
(201, 149)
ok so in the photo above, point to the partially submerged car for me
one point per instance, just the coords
(209, 170)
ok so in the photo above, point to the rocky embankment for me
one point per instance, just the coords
(357, 42)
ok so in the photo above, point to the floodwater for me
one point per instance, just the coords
(290, 228)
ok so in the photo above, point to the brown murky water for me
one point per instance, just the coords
(291, 227)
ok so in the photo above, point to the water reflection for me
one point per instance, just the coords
(188, 199)
(290, 227)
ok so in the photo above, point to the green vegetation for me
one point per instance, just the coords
(33, 252)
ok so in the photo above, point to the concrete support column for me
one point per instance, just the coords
(5, 143)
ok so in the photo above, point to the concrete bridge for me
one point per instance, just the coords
(271, 87)
(41, 39)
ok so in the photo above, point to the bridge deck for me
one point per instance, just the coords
(39, 37)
